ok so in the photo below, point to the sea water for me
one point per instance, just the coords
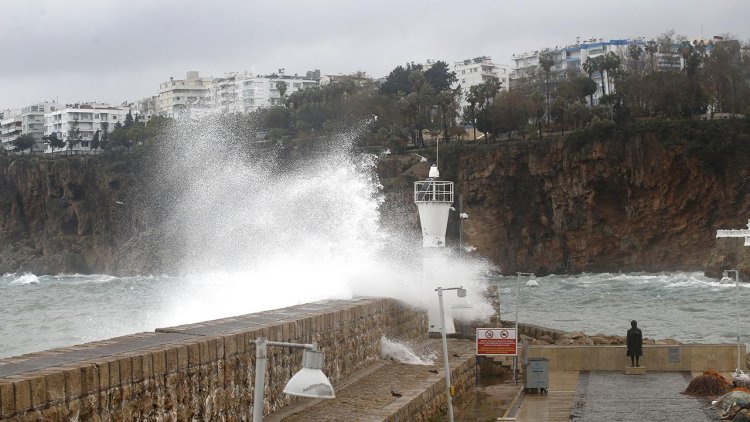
(43, 312)
(687, 307)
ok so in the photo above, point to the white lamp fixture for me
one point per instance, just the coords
(310, 381)
(461, 303)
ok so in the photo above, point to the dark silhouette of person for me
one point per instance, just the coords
(635, 343)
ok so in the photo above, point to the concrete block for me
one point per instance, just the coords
(22, 389)
(159, 362)
(137, 367)
(55, 386)
(182, 358)
(103, 368)
(635, 370)
(72, 383)
(126, 370)
(204, 355)
(89, 379)
(7, 398)
(172, 360)
(147, 366)
(114, 373)
(230, 346)
(194, 354)
(38, 391)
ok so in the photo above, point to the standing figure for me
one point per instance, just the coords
(635, 343)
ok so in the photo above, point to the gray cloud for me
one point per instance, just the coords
(116, 50)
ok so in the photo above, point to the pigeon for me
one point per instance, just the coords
(434, 371)
(395, 393)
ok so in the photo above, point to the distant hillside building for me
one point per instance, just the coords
(245, 92)
(476, 71)
(90, 117)
(177, 95)
(32, 121)
(11, 127)
(569, 60)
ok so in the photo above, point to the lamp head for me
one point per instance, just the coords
(461, 302)
(310, 381)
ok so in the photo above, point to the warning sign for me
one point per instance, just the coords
(496, 341)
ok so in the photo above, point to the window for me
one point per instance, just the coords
(96, 116)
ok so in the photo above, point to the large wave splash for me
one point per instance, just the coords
(254, 231)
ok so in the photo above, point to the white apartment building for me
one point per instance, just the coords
(245, 92)
(570, 59)
(89, 117)
(476, 71)
(32, 121)
(10, 127)
(176, 96)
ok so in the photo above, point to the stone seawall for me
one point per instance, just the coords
(200, 371)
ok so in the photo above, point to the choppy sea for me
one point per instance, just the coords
(43, 312)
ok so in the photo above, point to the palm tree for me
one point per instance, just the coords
(546, 61)
(651, 49)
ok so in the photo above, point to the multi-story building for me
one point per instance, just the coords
(11, 127)
(245, 93)
(176, 96)
(569, 60)
(86, 119)
(476, 71)
(32, 121)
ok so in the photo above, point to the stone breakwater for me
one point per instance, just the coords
(200, 371)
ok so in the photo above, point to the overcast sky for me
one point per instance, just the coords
(117, 50)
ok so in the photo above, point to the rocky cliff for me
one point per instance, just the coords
(624, 202)
(646, 201)
(62, 214)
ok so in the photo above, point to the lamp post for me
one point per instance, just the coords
(459, 304)
(310, 381)
(518, 337)
(726, 279)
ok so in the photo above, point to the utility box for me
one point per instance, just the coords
(536, 375)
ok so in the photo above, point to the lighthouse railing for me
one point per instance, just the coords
(433, 191)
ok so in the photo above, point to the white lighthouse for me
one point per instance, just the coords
(434, 199)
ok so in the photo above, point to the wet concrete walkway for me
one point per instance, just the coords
(382, 391)
(613, 396)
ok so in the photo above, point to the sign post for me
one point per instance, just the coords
(496, 342)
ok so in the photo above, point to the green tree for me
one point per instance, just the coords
(23, 143)
(538, 110)
(74, 134)
(54, 142)
(480, 97)
(440, 77)
(651, 49)
(281, 87)
(95, 141)
(104, 142)
(128, 120)
(546, 61)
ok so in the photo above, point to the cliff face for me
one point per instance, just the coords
(616, 205)
(552, 206)
(61, 215)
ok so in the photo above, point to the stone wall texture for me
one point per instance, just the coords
(201, 371)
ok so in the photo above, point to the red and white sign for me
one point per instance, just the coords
(496, 342)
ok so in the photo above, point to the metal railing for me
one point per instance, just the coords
(433, 191)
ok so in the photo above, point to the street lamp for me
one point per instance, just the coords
(460, 303)
(310, 381)
(518, 337)
(726, 279)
